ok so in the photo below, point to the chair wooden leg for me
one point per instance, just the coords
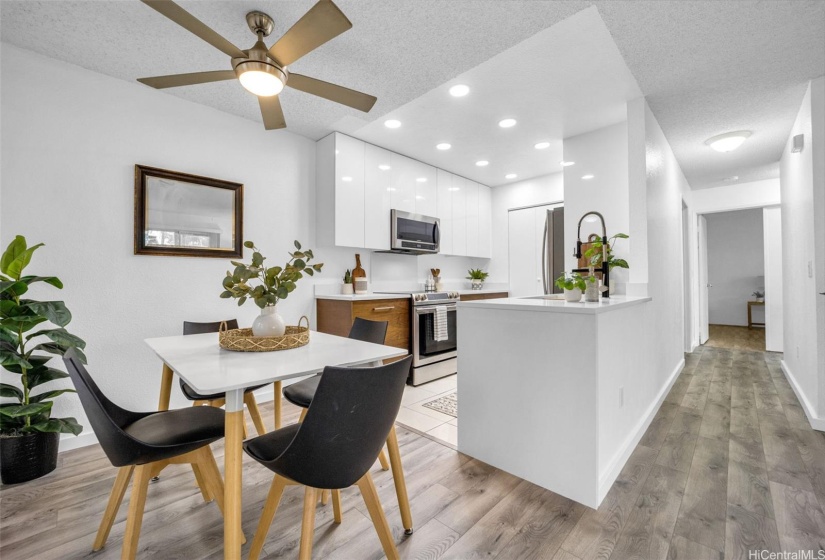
(137, 502)
(308, 524)
(267, 515)
(382, 458)
(379, 520)
(336, 505)
(252, 406)
(213, 483)
(324, 497)
(200, 483)
(277, 387)
(124, 474)
(400, 483)
(303, 414)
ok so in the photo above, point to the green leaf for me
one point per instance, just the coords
(13, 359)
(282, 292)
(318, 267)
(236, 263)
(49, 395)
(60, 425)
(248, 244)
(297, 245)
(226, 294)
(41, 375)
(241, 300)
(228, 282)
(53, 280)
(60, 336)
(310, 271)
(13, 288)
(257, 259)
(54, 311)
(17, 411)
(7, 390)
(621, 236)
(17, 257)
(260, 302)
(300, 264)
(621, 263)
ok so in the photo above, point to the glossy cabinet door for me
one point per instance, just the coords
(379, 180)
(349, 191)
(471, 203)
(426, 189)
(444, 210)
(485, 222)
(403, 193)
(459, 215)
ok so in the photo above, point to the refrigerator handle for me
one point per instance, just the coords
(548, 229)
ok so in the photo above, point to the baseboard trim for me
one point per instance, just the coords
(616, 465)
(815, 421)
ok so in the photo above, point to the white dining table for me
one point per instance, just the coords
(209, 369)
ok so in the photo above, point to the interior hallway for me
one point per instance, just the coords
(736, 338)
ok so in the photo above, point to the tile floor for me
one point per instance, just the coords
(431, 423)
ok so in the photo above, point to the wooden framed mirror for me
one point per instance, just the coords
(182, 215)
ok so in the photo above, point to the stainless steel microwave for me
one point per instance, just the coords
(414, 233)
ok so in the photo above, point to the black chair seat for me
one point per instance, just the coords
(175, 432)
(301, 393)
(193, 395)
(268, 447)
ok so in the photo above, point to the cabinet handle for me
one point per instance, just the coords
(388, 308)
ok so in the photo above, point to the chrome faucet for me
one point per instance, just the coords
(578, 251)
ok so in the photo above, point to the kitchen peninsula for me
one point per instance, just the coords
(554, 392)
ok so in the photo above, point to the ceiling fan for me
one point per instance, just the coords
(263, 71)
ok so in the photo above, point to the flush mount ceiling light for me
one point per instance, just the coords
(567, 163)
(392, 123)
(542, 145)
(507, 123)
(482, 163)
(346, 179)
(260, 78)
(421, 180)
(459, 90)
(510, 176)
(454, 189)
(391, 189)
(587, 177)
(732, 179)
(729, 141)
(384, 167)
(443, 146)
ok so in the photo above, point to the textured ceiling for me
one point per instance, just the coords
(705, 66)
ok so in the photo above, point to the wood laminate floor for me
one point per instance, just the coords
(729, 464)
(736, 338)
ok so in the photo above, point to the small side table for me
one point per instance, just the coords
(751, 304)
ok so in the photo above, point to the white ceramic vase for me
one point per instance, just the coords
(268, 323)
(477, 284)
(573, 295)
(346, 289)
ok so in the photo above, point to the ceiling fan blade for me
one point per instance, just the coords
(338, 94)
(324, 21)
(272, 112)
(194, 25)
(175, 80)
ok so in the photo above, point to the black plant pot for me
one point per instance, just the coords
(25, 458)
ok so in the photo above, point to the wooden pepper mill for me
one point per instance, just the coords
(359, 277)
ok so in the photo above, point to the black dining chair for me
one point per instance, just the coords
(218, 399)
(349, 420)
(143, 443)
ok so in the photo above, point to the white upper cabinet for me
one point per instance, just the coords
(485, 222)
(459, 215)
(426, 190)
(379, 184)
(403, 190)
(471, 203)
(444, 210)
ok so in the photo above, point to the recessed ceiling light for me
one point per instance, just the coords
(510, 176)
(454, 189)
(443, 146)
(542, 145)
(419, 197)
(391, 189)
(731, 179)
(482, 163)
(729, 141)
(587, 177)
(392, 123)
(384, 167)
(421, 180)
(567, 163)
(459, 90)
(507, 123)
(346, 179)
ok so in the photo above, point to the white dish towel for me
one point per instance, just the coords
(440, 327)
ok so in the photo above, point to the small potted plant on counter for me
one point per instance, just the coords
(573, 285)
(346, 289)
(29, 436)
(758, 296)
(594, 253)
(477, 277)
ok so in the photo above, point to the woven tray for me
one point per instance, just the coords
(242, 340)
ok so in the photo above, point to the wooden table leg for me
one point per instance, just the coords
(165, 388)
(233, 469)
(277, 387)
(400, 483)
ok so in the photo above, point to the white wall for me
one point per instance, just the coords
(602, 153)
(803, 244)
(774, 320)
(68, 157)
(531, 192)
(736, 265)
(756, 194)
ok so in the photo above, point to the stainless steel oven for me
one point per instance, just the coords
(434, 356)
(414, 233)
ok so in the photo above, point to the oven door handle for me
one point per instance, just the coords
(431, 309)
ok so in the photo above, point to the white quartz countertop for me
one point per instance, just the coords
(556, 305)
(483, 291)
(361, 297)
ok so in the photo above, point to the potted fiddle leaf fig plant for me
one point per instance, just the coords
(274, 284)
(477, 277)
(29, 436)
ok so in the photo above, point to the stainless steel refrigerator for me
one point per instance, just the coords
(552, 249)
(536, 249)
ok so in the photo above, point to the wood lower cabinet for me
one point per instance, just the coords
(336, 317)
(473, 297)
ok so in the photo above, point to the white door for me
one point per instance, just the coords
(523, 251)
(703, 280)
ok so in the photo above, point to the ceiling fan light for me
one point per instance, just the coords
(729, 141)
(259, 78)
